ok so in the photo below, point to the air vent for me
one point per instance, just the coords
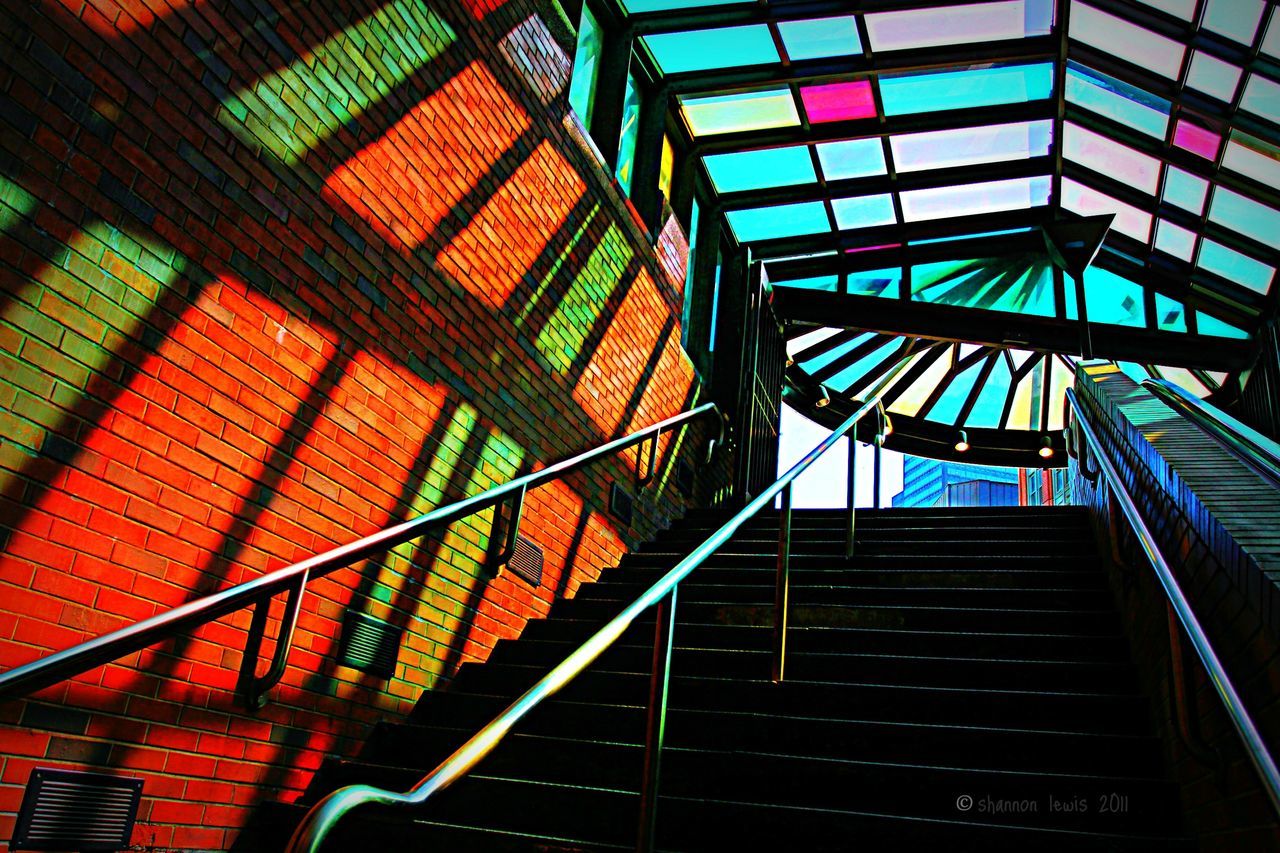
(621, 504)
(369, 645)
(72, 810)
(526, 562)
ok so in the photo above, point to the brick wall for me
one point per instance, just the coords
(277, 274)
(1209, 517)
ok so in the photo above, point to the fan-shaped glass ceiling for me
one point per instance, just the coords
(895, 167)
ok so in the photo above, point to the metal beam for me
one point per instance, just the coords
(1000, 328)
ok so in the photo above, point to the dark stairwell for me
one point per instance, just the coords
(964, 682)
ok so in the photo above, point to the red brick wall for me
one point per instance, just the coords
(272, 283)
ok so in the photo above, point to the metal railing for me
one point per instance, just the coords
(293, 579)
(1240, 440)
(1256, 749)
(325, 815)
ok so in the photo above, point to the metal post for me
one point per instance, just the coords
(656, 721)
(783, 586)
(875, 477)
(853, 495)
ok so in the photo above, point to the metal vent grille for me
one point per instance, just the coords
(526, 562)
(621, 504)
(369, 645)
(72, 810)
(685, 478)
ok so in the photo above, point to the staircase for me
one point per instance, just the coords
(963, 683)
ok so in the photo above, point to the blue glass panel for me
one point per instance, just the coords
(586, 67)
(847, 378)
(638, 7)
(989, 406)
(1234, 266)
(972, 87)
(955, 237)
(864, 211)
(1117, 100)
(820, 38)
(724, 47)
(947, 409)
(1245, 216)
(876, 282)
(753, 170)
(821, 361)
(826, 283)
(1185, 190)
(1210, 325)
(1171, 316)
(1112, 299)
(855, 158)
(1022, 284)
(1262, 96)
(629, 134)
(783, 220)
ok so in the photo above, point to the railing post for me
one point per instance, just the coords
(852, 485)
(875, 476)
(655, 723)
(783, 586)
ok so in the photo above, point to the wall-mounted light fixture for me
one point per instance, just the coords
(962, 441)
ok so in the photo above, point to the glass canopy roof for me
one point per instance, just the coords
(910, 157)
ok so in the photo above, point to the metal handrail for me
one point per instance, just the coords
(1241, 440)
(322, 818)
(50, 670)
(1257, 750)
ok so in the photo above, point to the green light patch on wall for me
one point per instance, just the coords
(303, 104)
(15, 204)
(562, 338)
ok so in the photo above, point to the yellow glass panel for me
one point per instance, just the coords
(910, 402)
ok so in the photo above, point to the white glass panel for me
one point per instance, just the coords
(1212, 76)
(1129, 220)
(969, 146)
(974, 199)
(1126, 41)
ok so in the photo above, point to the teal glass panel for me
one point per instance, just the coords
(1212, 76)
(825, 283)
(884, 282)
(753, 170)
(1254, 158)
(1185, 190)
(639, 7)
(1236, 19)
(629, 134)
(974, 199)
(849, 377)
(820, 38)
(783, 220)
(1112, 299)
(586, 67)
(686, 312)
(1117, 100)
(1245, 216)
(723, 47)
(1207, 324)
(1176, 240)
(911, 29)
(1235, 266)
(864, 211)
(970, 146)
(1271, 41)
(948, 407)
(1262, 97)
(739, 112)
(855, 158)
(952, 238)
(971, 87)
(835, 353)
(1124, 40)
(1018, 283)
(1184, 9)
(989, 406)
(1171, 315)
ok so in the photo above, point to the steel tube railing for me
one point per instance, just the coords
(1240, 440)
(68, 663)
(1255, 747)
(324, 816)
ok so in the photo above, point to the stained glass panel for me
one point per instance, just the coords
(964, 89)
(722, 47)
(854, 158)
(974, 199)
(848, 377)
(969, 146)
(783, 220)
(753, 170)
(820, 38)
(1124, 40)
(948, 406)
(1196, 139)
(917, 394)
(1117, 100)
(739, 112)
(838, 101)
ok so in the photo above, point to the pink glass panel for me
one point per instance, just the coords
(872, 248)
(1197, 139)
(839, 101)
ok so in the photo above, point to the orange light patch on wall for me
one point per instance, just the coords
(618, 364)
(407, 182)
(664, 395)
(534, 203)
(109, 18)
